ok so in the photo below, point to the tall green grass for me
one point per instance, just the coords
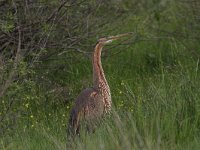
(156, 105)
(154, 86)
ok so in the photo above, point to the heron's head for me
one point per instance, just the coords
(112, 38)
(104, 40)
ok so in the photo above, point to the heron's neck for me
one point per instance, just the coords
(98, 73)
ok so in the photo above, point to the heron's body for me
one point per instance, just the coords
(92, 103)
(88, 109)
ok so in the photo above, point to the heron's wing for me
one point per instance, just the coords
(84, 104)
(85, 98)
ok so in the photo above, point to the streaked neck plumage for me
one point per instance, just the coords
(98, 73)
(99, 80)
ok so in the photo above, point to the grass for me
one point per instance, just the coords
(156, 106)
(137, 130)
(155, 91)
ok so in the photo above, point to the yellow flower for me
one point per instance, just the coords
(31, 116)
(32, 126)
(26, 105)
(63, 115)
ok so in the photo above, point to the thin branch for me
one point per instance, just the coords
(15, 64)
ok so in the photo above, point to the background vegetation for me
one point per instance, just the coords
(45, 51)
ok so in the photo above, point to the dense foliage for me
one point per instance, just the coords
(45, 51)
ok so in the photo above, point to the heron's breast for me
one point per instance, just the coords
(106, 97)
